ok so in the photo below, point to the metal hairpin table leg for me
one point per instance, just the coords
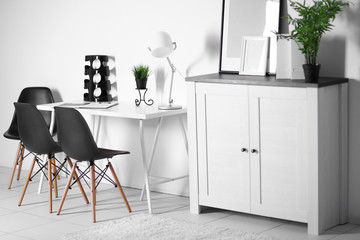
(51, 130)
(96, 121)
(184, 135)
(96, 127)
(145, 165)
(152, 154)
(183, 131)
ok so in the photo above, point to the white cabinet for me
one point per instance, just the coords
(269, 150)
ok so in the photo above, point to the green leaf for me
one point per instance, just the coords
(141, 71)
(312, 22)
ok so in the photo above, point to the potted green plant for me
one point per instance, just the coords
(309, 26)
(141, 73)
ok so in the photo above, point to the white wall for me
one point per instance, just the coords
(349, 30)
(43, 42)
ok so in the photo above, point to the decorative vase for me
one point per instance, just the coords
(311, 72)
(141, 83)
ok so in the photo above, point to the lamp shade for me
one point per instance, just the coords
(161, 45)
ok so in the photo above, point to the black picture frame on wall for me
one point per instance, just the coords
(247, 18)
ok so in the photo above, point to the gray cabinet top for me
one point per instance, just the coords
(264, 80)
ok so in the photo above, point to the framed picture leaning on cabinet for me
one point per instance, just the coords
(247, 18)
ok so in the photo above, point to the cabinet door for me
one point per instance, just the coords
(222, 128)
(278, 128)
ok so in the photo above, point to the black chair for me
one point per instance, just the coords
(33, 95)
(77, 142)
(35, 136)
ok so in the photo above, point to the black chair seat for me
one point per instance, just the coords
(48, 149)
(12, 134)
(109, 153)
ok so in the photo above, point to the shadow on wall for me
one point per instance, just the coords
(56, 94)
(112, 78)
(354, 151)
(352, 16)
(211, 50)
(332, 62)
(160, 82)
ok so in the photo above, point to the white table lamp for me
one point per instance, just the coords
(162, 46)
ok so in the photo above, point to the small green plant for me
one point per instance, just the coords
(141, 71)
(310, 25)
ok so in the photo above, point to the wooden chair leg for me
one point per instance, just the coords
(27, 181)
(78, 181)
(93, 192)
(66, 188)
(20, 162)
(14, 165)
(55, 178)
(50, 183)
(119, 186)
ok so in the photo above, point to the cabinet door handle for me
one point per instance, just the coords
(243, 150)
(254, 151)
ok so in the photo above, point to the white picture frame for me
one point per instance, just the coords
(247, 18)
(254, 52)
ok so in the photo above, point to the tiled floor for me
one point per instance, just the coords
(33, 221)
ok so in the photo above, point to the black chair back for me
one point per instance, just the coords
(33, 130)
(32, 95)
(75, 137)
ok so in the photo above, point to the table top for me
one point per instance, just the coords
(122, 110)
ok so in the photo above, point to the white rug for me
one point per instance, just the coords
(153, 227)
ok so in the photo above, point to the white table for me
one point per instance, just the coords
(130, 111)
